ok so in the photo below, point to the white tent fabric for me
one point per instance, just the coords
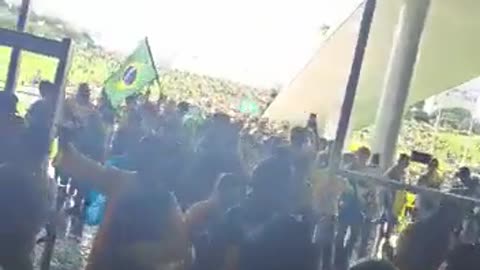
(466, 96)
(448, 56)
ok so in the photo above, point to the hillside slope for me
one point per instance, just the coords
(93, 64)
(447, 57)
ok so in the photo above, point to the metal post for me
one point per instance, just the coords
(63, 68)
(15, 54)
(398, 77)
(351, 87)
(350, 92)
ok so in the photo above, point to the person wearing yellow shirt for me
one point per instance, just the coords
(393, 201)
(326, 192)
(425, 204)
(431, 178)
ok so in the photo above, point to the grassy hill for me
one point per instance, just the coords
(85, 67)
(92, 64)
(451, 147)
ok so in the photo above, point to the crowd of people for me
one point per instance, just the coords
(197, 189)
(450, 146)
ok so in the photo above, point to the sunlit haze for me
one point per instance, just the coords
(259, 42)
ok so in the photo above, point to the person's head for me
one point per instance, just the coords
(263, 123)
(372, 264)
(298, 137)
(272, 182)
(433, 165)
(273, 94)
(230, 189)
(464, 175)
(363, 155)
(375, 160)
(312, 123)
(83, 93)
(47, 90)
(322, 144)
(131, 102)
(8, 103)
(156, 160)
(221, 130)
(170, 106)
(404, 161)
(183, 107)
(464, 257)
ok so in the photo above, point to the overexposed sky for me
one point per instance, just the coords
(259, 42)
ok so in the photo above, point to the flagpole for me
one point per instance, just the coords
(157, 78)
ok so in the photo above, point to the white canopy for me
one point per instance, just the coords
(448, 56)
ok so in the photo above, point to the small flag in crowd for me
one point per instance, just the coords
(137, 72)
(250, 107)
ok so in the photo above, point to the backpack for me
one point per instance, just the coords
(95, 209)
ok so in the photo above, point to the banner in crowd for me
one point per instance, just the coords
(137, 72)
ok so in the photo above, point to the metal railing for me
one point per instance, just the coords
(395, 185)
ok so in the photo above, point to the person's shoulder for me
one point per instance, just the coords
(38, 103)
(171, 199)
(201, 209)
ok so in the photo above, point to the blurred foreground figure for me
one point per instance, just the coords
(424, 244)
(470, 186)
(464, 257)
(24, 186)
(263, 232)
(143, 226)
(205, 220)
(11, 125)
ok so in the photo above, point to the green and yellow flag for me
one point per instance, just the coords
(134, 74)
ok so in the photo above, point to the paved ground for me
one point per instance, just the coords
(69, 254)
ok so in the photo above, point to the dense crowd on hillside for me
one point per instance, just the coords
(171, 186)
(450, 146)
(206, 92)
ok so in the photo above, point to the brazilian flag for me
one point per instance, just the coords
(137, 72)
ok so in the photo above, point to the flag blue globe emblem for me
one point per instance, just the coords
(130, 75)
